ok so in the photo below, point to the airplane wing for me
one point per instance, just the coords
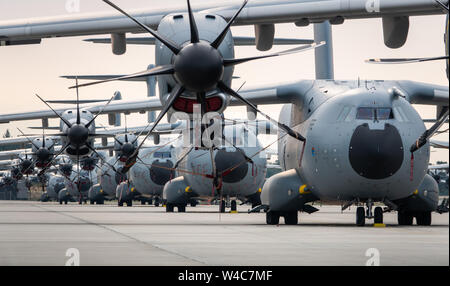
(119, 106)
(422, 93)
(22, 141)
(274, 93)
(438, 167)
(301, 12)
(439, 144)
(238, 41)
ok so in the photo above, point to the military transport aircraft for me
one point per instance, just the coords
(363, 135)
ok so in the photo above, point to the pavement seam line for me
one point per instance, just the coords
(123, 234)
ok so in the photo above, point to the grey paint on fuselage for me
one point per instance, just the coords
(177, 30)
(151, 174)
(325, 114)
(246, 184)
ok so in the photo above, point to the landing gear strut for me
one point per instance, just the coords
(222, 206)
(360, 216)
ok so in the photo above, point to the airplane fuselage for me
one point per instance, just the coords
(357, 146)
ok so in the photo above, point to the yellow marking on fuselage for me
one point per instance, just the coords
(303, 191)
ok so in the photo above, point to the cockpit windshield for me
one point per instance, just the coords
(371, 113)
(162, 155)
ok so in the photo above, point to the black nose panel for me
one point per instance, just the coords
(161, 172)
(376, 154)
(226, 161)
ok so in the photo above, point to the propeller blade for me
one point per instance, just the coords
(54, 158)
(183, 156)
(100, 112)
(78, 103)
(159, 70)
(31, 141)
(282, 126)
(405, 60)
(178, 91)
(54, 111)
(75, 102)
(443, 5)
(194, 31)
(232, 62)
(168, 43)
(117, 140)
(423, 139)
(222, 35)
(96, 153)
(29, 167)
(43, 137)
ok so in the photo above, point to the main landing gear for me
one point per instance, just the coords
(290, 218)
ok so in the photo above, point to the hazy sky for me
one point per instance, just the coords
(26, 70)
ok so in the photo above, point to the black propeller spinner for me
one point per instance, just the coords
(197, 67)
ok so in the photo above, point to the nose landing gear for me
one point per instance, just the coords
(362, 214)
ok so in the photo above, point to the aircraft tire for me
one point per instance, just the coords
(120, 203)
(60, 202)
(423, 218)
(360, 216)
(169, 208)
(272, 218)
(181, 209)
(291, 218)
(222, 206)
(129, 203)
(233, 206)
(378, 215)
(405, 218)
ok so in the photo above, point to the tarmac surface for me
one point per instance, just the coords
(34, 233)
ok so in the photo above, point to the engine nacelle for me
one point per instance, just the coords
(118, 43)
(264, 35)
(176, 28)
(395, 31)
(176, 192)
(424, 199)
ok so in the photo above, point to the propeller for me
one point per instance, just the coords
(198, 67)
(417, 60)
(78, 134)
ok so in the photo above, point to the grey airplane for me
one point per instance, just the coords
(231, 170)
(151, 173)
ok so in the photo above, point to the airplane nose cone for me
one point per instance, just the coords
(127, 150)
(43, 155)
(78, 134)
(161, 172)
(66, 169)
(376, 154)
(234, 161)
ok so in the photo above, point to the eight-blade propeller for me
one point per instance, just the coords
(198, 67)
